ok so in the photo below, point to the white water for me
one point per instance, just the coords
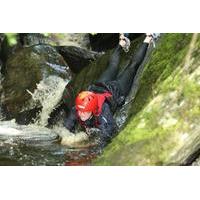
(9, 131)
(12, 129)
(48, 94)
(71, 139)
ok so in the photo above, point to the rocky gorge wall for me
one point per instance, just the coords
(163, 121)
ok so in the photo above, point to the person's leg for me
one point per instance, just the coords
(112, 69)
(125, 80)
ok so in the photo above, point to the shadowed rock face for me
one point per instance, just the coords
(55, 39)
(162, 127)
(25, 69)
(77, 58)
(30, 39)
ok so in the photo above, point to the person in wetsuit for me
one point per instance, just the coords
(94, 107)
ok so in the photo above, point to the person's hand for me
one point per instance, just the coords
(121, 36)
(122, 43)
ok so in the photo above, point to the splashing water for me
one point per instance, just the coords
(48, 94)
(69, 139)
(32, 133)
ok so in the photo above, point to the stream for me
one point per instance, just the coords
(35, 144)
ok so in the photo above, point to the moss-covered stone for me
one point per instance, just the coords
(164, 118)
(26, 68)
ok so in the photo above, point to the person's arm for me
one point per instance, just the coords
(70, 121)
(107, 124)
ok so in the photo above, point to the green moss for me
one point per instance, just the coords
(166, 58)
(144, 141)
(12, 38)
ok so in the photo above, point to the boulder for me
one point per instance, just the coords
(162, 124)
(3, 47)
(7, 49)
(26, 68)
(55, 39)
(30, 39)
(70, 39)
(2, 36)
(77, 58)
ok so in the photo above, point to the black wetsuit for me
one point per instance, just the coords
(119, 89)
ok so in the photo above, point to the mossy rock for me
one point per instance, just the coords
(25, 69)
(163, 121)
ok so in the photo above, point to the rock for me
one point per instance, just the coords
(163, 121)
(3, 47)
(55, 39)
(26, 68)
(77, 58)
(6, 49)
(2, 36)
(70, 39)
(1, 65)
(30, 39)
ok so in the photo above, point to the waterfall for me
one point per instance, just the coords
(48, 95)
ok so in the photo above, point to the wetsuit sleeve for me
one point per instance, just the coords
(71, 120)
(107, 124)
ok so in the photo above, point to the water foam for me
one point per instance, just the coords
(71, 139)
(48, 95)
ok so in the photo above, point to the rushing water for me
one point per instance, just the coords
(48, 94)
(35, 144)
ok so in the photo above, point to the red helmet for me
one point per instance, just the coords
(86, 101)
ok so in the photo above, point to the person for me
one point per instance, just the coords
(94, 107)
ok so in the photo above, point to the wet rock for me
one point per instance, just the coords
(3, 47)
(30, 39)
(70, 39)
(55, 39)
(1, 64)
(26, 68)
(76, 57)
(2, 36)
(6, 49)
(163, 123)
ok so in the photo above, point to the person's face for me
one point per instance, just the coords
(84, 115)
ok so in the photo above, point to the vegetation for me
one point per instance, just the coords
(165, 110)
